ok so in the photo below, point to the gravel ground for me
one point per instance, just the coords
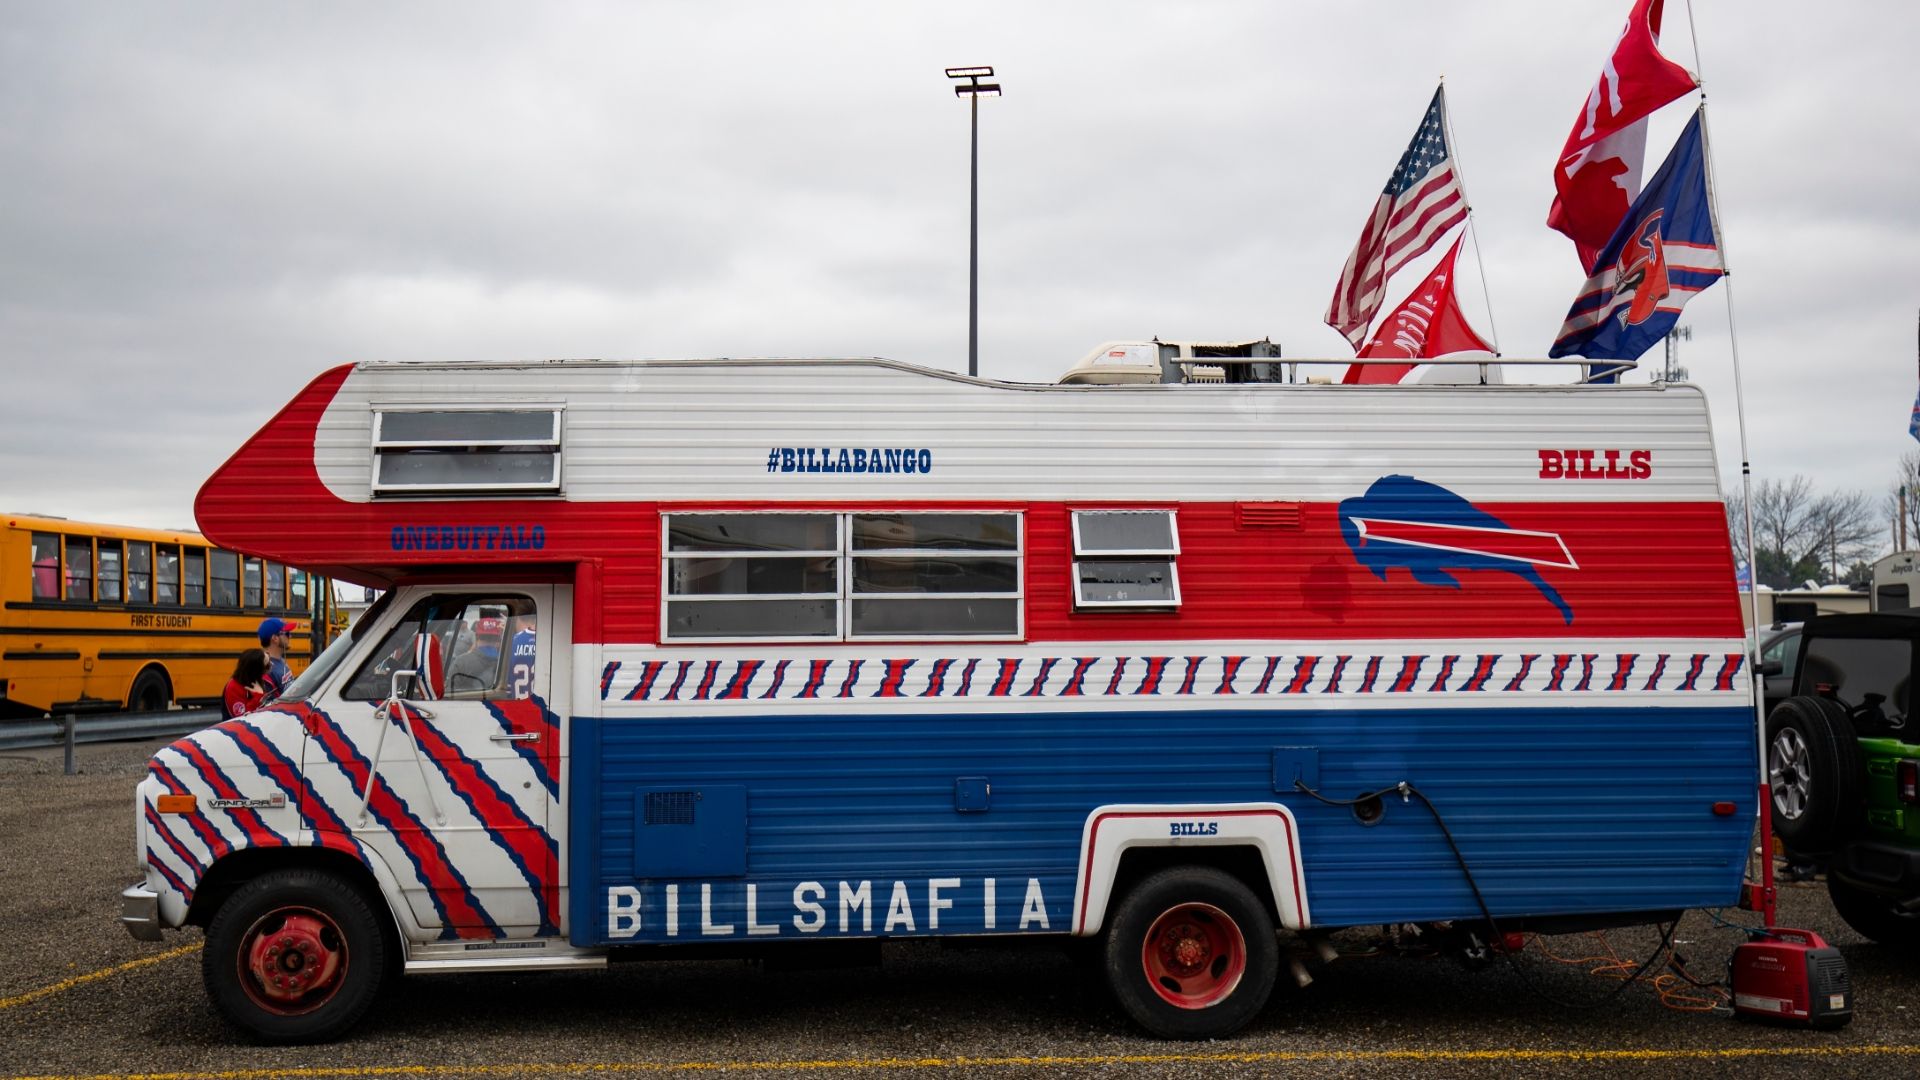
(66, 851)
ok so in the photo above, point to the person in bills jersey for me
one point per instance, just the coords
(246, 690)
(275, 636)
(524, 647)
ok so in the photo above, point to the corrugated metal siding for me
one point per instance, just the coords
(1557, 810)
(668, 431)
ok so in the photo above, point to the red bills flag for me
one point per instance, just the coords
(1427, 323)
(1599, 172)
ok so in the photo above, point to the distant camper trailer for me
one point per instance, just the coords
(1896, 581)
(1783, 606)
(741, 657)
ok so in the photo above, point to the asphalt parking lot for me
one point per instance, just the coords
(79, 997)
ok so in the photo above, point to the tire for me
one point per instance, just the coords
(290, 926)
(150, 692)
(1191, 954)
(1875, 917)
(1815, 774)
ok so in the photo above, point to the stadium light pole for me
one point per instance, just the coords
(973, 90)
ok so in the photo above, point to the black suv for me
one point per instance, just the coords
(1844, 767)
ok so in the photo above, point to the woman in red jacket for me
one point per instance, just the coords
(245, 691)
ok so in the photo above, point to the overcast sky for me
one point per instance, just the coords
(204, 205)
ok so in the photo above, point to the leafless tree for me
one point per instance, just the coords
(1907, 480)
(1799, 533)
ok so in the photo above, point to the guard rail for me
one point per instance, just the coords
(71, 729)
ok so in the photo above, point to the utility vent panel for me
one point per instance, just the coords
(681, 832)
(1273, 515)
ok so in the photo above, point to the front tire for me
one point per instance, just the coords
(1191, 954)
(1874, 917)
(294, 956)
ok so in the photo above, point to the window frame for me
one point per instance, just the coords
(554, 444)
(189, 553)
(102, 547)
(160, 553)
(1170, 554)
(35, 565)
(844, 595)
(67, 543)
(133, 573)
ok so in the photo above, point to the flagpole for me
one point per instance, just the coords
(1765, 886)
(1453, 151)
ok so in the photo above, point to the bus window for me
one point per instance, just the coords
(110, 570)
(250, 588)
(166, 574)
(297, 581)
(79, 568)
(223, 579)
(139, 572)
(193, 592)
(276, 586)
(46, 566)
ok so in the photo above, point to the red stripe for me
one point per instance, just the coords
(174, 845)
(202, 828)
(1409, 671)
(258, 834)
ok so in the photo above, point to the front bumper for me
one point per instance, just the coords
(140, 912)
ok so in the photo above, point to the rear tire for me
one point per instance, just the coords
(150, 692)
(1816, 775)
(1875, 917)
(294, 956)
(1191, 954)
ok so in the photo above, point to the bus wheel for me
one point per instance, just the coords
(1191, 954)
(150, 692)
(294, 956)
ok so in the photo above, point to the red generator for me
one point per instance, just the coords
(1791, 977)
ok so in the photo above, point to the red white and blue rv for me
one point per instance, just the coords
(1172, 655)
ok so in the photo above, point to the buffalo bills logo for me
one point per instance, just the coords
(1434, 534)
(1642, 272)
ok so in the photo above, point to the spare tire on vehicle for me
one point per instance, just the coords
(1815, 774)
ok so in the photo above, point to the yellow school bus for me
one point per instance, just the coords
(105, 617)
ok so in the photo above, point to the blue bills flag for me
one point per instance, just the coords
(1913, 424)
(1664, 251)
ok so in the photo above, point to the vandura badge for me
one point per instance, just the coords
(1433, 534)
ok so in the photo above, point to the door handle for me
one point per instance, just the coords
(525, 736)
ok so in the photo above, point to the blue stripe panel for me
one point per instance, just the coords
(1557, 810)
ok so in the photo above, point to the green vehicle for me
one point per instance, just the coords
(1843, 763)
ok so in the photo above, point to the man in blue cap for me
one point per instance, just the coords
(275, 635)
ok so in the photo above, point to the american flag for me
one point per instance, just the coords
(1422, 200)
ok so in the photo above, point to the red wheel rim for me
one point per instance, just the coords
(1194, 956)
(292, 960)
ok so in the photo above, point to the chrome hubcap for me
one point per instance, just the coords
(1789, 774)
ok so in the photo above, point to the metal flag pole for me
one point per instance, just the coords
(1767, 895)
(1486, 290)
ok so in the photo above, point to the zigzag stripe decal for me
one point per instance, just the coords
(1409, 675)
(203, 828)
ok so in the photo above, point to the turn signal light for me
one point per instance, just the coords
(175, 804)
(1906, 780)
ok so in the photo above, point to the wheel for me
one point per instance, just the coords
(1816, 774)
(1191, 954)
(294, 956)
(1875, 917)
(150, 692)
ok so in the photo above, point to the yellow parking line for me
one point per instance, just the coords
(1253, 1057)
(95, 976)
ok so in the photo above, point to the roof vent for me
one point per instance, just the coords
(1115, 363)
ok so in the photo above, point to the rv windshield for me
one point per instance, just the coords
(303, 686)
